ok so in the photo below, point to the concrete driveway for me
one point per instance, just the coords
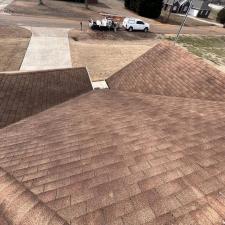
(48, 49)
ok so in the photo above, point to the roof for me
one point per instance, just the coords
(111, 157)
(21, 206)
(25, 94)
(169, 70)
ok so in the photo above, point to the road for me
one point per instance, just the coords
(30, 21)
(156, 27)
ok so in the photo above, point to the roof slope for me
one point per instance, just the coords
(172, 71)
(25, 94)
(20, 206)
(118, 158)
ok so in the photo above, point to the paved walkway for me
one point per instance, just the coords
(48, 49)
(4, 3)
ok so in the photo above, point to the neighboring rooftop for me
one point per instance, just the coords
(28, 93)
(111, 157)
(169, 70)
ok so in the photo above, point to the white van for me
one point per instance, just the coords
(135, 24)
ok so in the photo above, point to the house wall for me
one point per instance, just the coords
(193, 12)
(175, 7)
(203, 13)
(199, 13)
(184, 8)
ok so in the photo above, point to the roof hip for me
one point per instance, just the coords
(18, 205)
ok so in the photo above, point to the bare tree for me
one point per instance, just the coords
(86, 4)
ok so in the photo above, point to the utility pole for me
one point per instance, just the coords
(86, 4)
(183, 23)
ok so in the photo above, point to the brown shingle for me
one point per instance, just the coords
(110, 157)
(170, 70)
(25, 94)
(20, 206)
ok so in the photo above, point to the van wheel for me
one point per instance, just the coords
(146, 30)
(130, 29)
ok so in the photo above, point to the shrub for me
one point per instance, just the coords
(150, 9)
(221, 16)
(147, 8)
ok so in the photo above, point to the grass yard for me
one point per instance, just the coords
(104, 53)
(65, 9)
(209, 48)
(13, 45)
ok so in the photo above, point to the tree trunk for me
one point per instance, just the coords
(86, 4)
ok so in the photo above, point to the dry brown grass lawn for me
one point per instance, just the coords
(65, 9)
(12, 53)
(13, 45)
(211, 49)
(105, 56)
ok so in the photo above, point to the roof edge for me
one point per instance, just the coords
(39, 71)
(168, 44)
(18, 205)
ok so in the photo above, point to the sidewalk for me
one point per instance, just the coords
(48, 49)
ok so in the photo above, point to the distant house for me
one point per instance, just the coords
(199, 8)
(176, 6)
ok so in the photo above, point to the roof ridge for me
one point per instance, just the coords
(170, 70)
(169, 44)
(18, 205)
(40, 72)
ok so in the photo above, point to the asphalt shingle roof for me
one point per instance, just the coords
(171, 71)
(28, 93)
(111, 157)
(20, 206)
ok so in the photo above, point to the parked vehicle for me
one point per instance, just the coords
(104, 24)
(132, 24)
